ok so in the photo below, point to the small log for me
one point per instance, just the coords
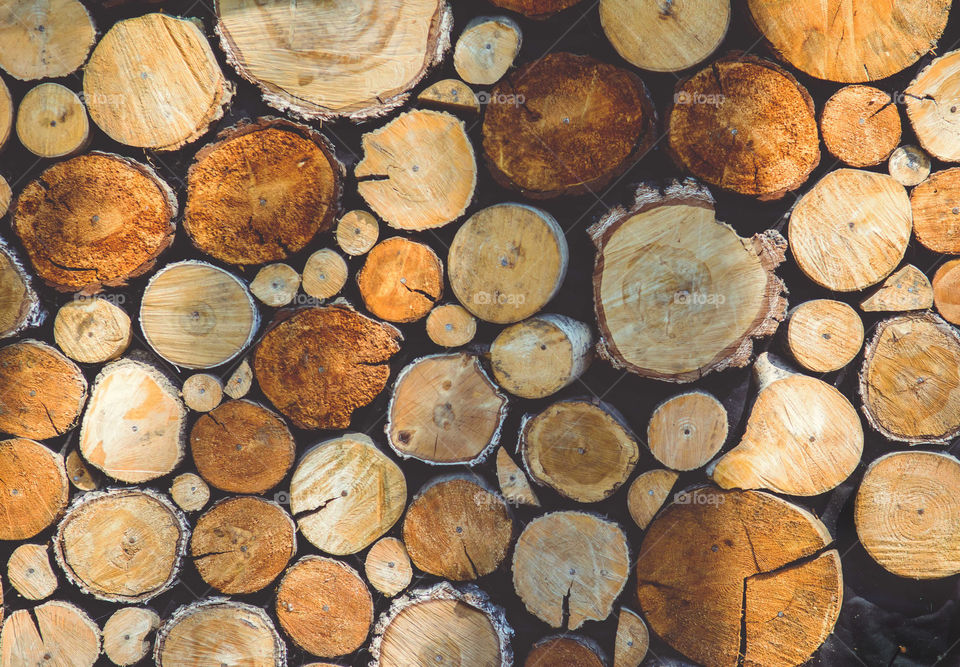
(30, 573)
(94, 221)
(513, 482)
(20, 306)
(346, 493)
(536, 9)
(803, 437)
(715, 560)
(676, 319)
(92, 330)
(324, 274)
(401, 280)
(242, 447)
(648, 493)
(153, 82)
(946, 291)
(860, 125)
(442, 625)
(445, 410)
(43, 391)
(451, 325)
(189, 492)
(324, 607)
(687, 430)
(507, 261)
(45, 41)
(240, 381)
(35, 488)
(931, 100)
(906, 289)
(565, 651)
(418, 171)
(324, 362)
(6, 125)
(356, 61)
(122, 545)
(824, 335)
(55, 633)
(357, 232)
(80, 474)
(388, 567)
(566, 124)
(126, 635)
(217, 631)
(240, 545)
(135, 426)
(665, 37)
(450, 95)
(52, 121)
(936, 211)
(457, 529)
(908, 165)
(486, 49)
(908, 384)
(262, 191)
(275, 285)
(581, 449)
(907, 514)
(540, 356)
(202, 392)
(633, 640)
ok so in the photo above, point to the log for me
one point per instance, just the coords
(803, 437)
(197, 315)
(30, 573)
(648, 493)
(450, 95)
(324, 607)
(507, 261)
(126, 635)
(92, 330)
(566, 124)
(418, 171)
(52, 121)
(356, 61)
(581, 449)
(401, 280)
(907, 513)
(908, 165)
(80, 474)
(6, 126)
(713, 569)
(189, 492)
(536, 9)
(936, 211)
(565, 651)
(908, 384)
(45, 40)
(240, 545)
(445, 410)
(442, 625)
(486, 49)
(262, 192)
(451, 325)
(275, 285)
(540, 356)
(324, 274)
(43, 391)
(388, 567)
(824, 335)
(202, 392)
(135, 426)
(217, 631)
(687, 430)
(94, 221)
(906, 289)
(346, 494)
(20, 307)
(122, 545)
(55, 633)
(357, 232)
(676, 319)
(946, 291)
(35, 488)
(931, 101)
(860, 125)
(665, 36)
(513, 482)
(633, 640)
(153, 82)
(746, 125)
(457, 529)
(240, 381)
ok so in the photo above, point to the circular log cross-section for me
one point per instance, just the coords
(19, 304)
(275, 285)
(687, 430)
(122, 545)
(33, 488)
(202, 392)
(125, 635)
(29, 571)
(357, 60)
(907, 288)
(189, 492)
(648, 492)
(909, 165)
(936, 211)
(153, 82)
(486, 49)
(55, 633)
(677, 293)
(324, 274)
(860, 125)
(746, 125)
(357, 232)
(946, 291)
(445, 410)
(633, 640)
(401, 280)
(92, 330)
(52, 121)
(94, 220)
(44, 40)
(722, 558)
(240, 381)
(566, 651)
(262, 192)
(388, 567)
(566, 124)
(824, 335)
(513, 481)
(451, 325)
(932, 100)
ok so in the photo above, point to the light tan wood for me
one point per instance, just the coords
(633, 640)
(824, 335)
(565, 651)
(52, 121)
(445, 410)
(92, 330)
(324, 274)
(55, 633)
(202, 392)
(418, 171)
(134, 429)
(80, 474)
(803, 436)
(122, 545)
(357, 232)
(936, 211)
(507, 261)
(860, 125)
(401, 280)
(486, 49)
(687, 430)
(946, 291)
(323, 61)
(451, 325)
(240, 381)
(45, 39)
(275, 285)
(513, 481)
(29, 571)
(126, 635)
(908, 165)
(907, 288)
(648, 493)
(697, 308)
(907, 514)
(346, 493)
(20, 306)
(931, 99)
(388, 567)
(6, 127)
(153, 82)
(189, 492)
(450, 95)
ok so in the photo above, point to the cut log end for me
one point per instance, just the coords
(48, 43)
(648, 493)
(52, 121)
(906, 289)
(240, 381)
(20, 306)
(565, 651)
(189, 492)
(80, 474)
(932, 101)
(57, 633)
(29, 572)
(687, 430)
(357, 232)
(633, 640)
(936, 211)
(908, 165)
(486, 49)
(275, 285)
(92, 330)
(388, 567)
(451, 325)
(401, 280)
(946, 291)
(513, 481)
(6, 119)
(126, 635)
(202, 392)
(824, 335)
(860, 125)
(324, 274)
(450, 95)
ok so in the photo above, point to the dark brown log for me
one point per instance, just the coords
(565, 651)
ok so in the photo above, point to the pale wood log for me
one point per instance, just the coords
(451, 325)
(55, 633)
(275, 285)
(687, 430)
(388, 566)
(633, 640)
(450, 95)
(20, 307)
(908, 165)
(202, 392)
(931, 100)
(936, 211)
(92, 330)
(486, 49)
(906, 289)
(52, 121)
(946, 291)
(357, 232)
(5, 195)
(824, 335)
(860, 125)
(29, 571)
(80, 474)
(6, 127)
(44, 39)
(648, 493)
(189, 492)
(513, 481)
(240, 381)
(401, 280)
(126, 635)
(324, 274)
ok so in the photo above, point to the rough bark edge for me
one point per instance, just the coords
(280, 647)
(588, 643)
(179, 518)
(438, 43)
(81, 614)
(868, 353)
(77, 373)
(501, 413)
(60, 73)
(769, 246)
(469, 594)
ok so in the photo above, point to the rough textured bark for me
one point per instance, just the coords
(357, 232)
(401, 280)
(451, 325)
(906, 289)
(936, 211)
(34, 488)
(126, 635)
(92, 330)
(486, 49)
(860, 125)
(56, 633)
(931, 99)
(824, 335)
(46, 39)
(52, 121)
(687, 430)
(388, 567)
(648, 493)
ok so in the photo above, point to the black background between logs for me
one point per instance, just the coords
(885, 620)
